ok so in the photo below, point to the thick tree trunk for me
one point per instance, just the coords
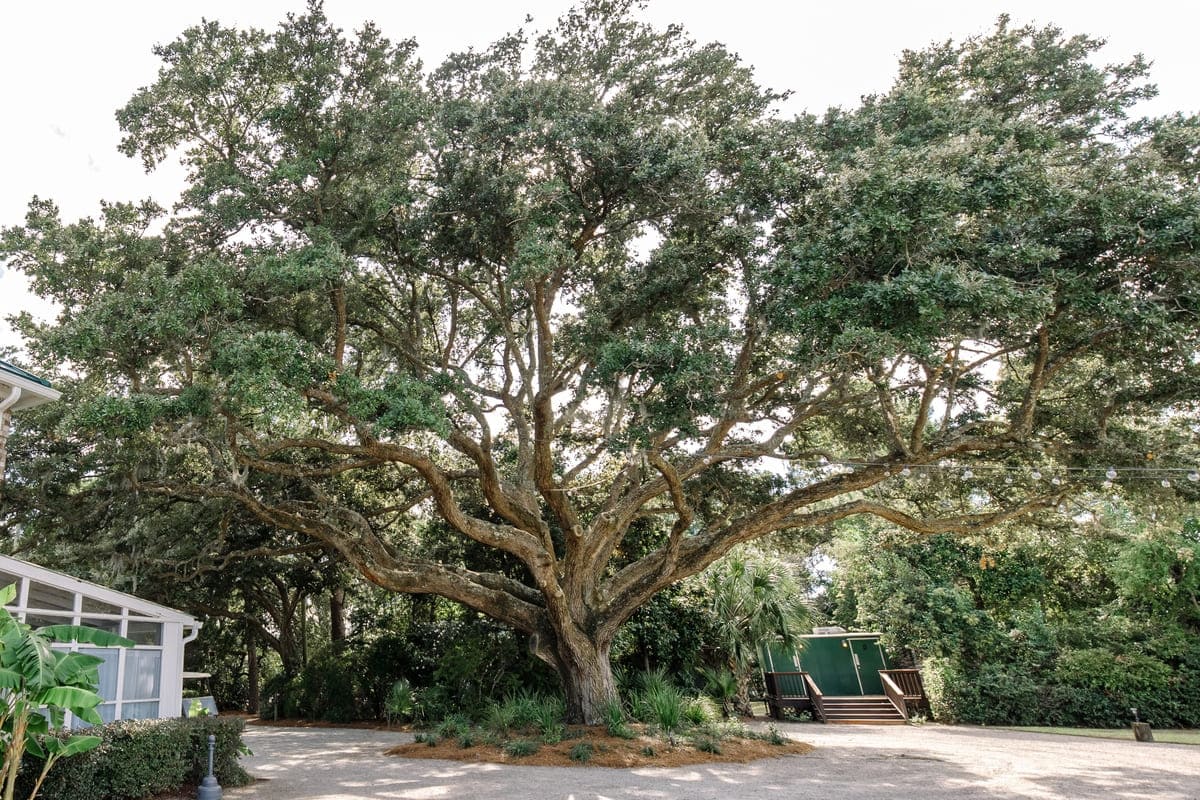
(337, 615)
(253, 691)
(586, 675)
(741, 700)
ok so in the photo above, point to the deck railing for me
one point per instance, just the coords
(814, 694)
(894, 693)
(908, 681)
(785, 684)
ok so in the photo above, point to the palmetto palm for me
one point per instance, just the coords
(756, 600)
(39, 685)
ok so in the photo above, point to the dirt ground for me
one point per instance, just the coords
(930, 762)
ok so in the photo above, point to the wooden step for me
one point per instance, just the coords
(868, 710)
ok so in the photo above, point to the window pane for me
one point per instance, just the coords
(145, 632)
(108, 711)
(140, 710)
(108, 670)
(42, 620)
(110, 625)
(6, 579)
(50, 597)
(142, 668)
(93, 606)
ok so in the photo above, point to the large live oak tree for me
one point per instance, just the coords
(566, 293)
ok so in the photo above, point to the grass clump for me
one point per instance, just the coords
(467, 740)
(613, 715)
(519, 748)
(553, 734)
(663, 706)
(774, 736)
(707, 744)
(582, 752)
(659, 702)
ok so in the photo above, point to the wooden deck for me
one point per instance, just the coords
(904, 697)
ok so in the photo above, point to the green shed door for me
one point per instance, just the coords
(827, 659)
(868, 660)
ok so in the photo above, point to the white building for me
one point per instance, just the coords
(140, 682)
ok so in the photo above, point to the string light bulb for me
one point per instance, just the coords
(1111, 473)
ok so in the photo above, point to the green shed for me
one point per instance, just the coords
(840, 676)
(842, 664)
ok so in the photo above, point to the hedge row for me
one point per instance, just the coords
(1091, 688)
(141, 758)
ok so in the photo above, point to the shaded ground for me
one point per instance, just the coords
(931, 762)
(604, 750)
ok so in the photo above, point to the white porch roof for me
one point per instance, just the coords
(33, 390)
(136, 605)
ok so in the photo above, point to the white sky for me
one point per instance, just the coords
(67, 65)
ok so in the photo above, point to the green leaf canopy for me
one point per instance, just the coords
(575, 284)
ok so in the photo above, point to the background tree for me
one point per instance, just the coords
(568, 293)
(1050, 625)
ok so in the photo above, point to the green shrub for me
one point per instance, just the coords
(1089, 687)
(466, 740)
(453, 726)
(1101, 669)
(140, 758)
(722, 685)
(499, 718)
(398, 705)
(327, 686)
(707, 744)
(699, 710)
(724, 729)
(432, 703)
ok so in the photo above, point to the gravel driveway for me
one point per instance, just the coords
(929, 762)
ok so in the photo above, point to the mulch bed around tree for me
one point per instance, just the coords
(608, 751)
